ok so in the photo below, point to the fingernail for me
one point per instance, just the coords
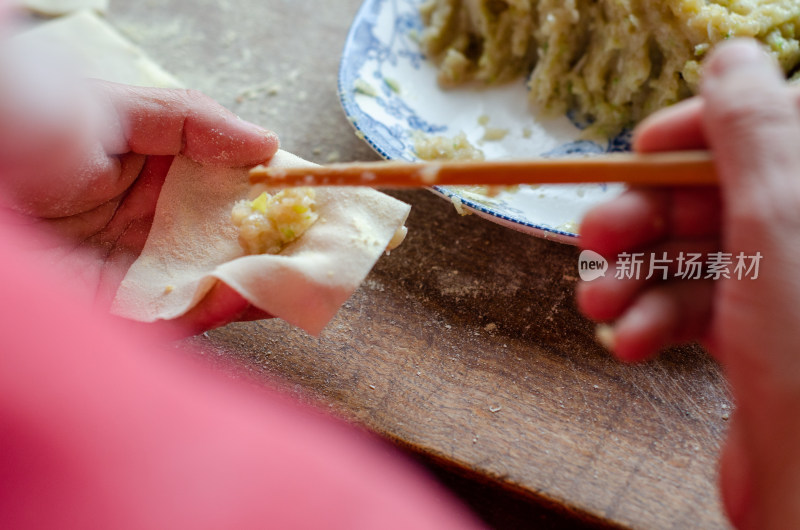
(736, 54)
(604, 334)
(271, 136)
(266, 133)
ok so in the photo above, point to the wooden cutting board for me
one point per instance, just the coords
(465, 345)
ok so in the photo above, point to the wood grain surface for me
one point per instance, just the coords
(464, 345)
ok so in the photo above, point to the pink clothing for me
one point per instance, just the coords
(101, 428)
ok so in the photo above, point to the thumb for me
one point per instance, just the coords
(752, 125)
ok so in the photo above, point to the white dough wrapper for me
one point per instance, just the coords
(62, 7)
(193, 244)
(95, 49)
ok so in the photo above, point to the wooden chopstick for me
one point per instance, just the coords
(679, 168)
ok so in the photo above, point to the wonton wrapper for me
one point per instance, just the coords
(193, 244)
(98, 50)
(62, 7)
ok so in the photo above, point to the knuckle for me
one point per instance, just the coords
(193, 93)
(195, 98)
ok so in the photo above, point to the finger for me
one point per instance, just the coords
(222, 305)
(643, 216)
(671, 313)
(155, 121)
(48, 155)
(253, 313)
(752, 125)
(736, 478)
(672, 129)
(634, 218)
(130, 227)
(608, 297)
(125, 233)
(680, 126)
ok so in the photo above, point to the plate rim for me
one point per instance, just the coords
(353, 112)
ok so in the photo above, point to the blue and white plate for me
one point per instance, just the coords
(389, 90)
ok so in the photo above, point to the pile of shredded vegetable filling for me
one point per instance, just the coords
(270, 222)
(458, 147)
(611, 61)
(445, 148)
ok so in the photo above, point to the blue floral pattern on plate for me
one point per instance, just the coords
(389, 90)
